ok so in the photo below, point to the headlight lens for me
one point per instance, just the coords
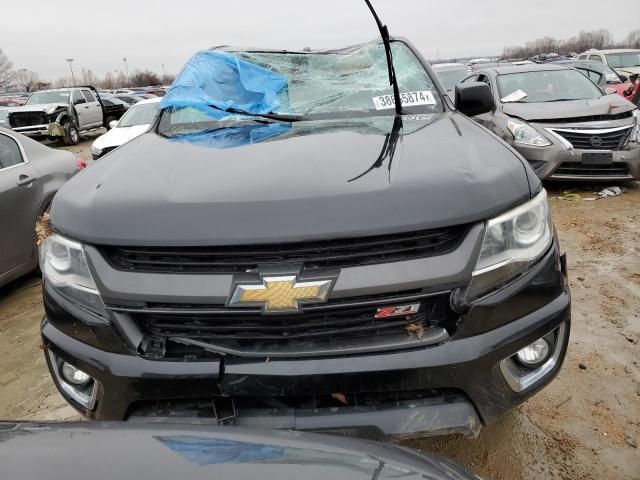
(525, 134)
(512, 243)
(65, 270)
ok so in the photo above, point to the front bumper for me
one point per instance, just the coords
(451, 387)
(561, 161)
(45, 130)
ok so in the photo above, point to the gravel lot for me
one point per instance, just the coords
(582, 426)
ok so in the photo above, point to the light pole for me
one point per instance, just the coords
(126, 67)
(70, 60)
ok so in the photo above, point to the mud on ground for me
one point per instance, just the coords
(580, 427)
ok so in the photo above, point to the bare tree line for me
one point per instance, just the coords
(598, 39)
(24, 80)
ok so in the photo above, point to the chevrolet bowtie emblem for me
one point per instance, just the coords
(280, 293)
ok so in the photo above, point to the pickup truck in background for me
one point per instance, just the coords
(63, 114)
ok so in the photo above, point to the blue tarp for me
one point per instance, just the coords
(225, 81)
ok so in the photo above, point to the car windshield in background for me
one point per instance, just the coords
(451, 77)
(48, 97)
(139, 115)
(546, 86)
(329, 84)
(622, 60)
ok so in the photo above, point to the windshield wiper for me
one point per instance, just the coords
(393, 81)
(269, 116)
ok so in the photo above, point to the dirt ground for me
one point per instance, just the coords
(584, 425)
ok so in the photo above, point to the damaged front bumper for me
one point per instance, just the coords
(563, 160)
(455, 386)
(54, 129)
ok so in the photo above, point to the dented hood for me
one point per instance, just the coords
(311, 181)
(606, 105)
(44, 107)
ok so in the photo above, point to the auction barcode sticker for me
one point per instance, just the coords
(408, 99)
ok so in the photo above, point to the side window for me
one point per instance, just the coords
(89, 96)
(582, 57)
(595, 58)
(77, 98)
(9, 152)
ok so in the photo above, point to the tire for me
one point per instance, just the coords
(72, 136)
(108, 120)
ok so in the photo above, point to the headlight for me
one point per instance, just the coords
(95, 150)
(525, 134)
(512, 243)
(65, 270)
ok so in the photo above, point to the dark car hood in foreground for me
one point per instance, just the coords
(103, 451)
(612, 104)
(308, 182)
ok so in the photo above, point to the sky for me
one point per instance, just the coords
(98, 35)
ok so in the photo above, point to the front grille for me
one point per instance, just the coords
(337, 327)
(27, 119)
(338, 253)
(584, 170)
(585, 140)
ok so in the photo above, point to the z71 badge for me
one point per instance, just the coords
(397, 311)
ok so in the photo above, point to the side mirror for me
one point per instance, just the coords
(113, 123)
(79, 101)
(474, 98)
(624, 78)
(609, 91)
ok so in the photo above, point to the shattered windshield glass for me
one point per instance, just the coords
(296, 85)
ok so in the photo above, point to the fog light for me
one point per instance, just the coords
(534, 353)
(74, 375)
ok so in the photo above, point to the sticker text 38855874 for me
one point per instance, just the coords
(408, 99)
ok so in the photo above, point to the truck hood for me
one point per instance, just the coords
(43, 107)
(606, 105)
(280, 182)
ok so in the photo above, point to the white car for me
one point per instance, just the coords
(135, 122)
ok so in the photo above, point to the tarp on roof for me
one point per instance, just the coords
(214, 81)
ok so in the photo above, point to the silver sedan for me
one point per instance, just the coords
(30, 175)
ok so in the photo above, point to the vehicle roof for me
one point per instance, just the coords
(439, 66)
(149, 100)
(615, 50)
(533, 67)
(585, 63)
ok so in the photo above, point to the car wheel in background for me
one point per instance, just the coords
(72, 136)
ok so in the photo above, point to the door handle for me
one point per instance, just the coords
(87, 106)
(25, 180)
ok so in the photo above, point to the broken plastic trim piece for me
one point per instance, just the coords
(430, 336)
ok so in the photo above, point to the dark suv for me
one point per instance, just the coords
(320, 252)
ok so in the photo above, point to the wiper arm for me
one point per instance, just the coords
(268, 116)
(393, 81)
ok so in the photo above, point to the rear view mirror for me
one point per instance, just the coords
(624, 78)
(473, 98)
(113, 124)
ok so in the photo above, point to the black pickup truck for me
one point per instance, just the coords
(63, 113)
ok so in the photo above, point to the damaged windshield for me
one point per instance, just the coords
(226, 85)
(61, 96)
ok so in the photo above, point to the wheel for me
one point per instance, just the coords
(108, 120)
(72, 136)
